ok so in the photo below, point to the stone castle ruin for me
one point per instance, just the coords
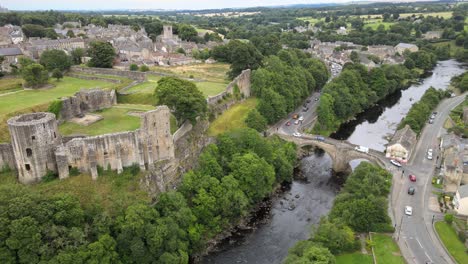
(86, 101)
(37, 146)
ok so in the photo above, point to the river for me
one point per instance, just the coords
(376, 126)
(282, 227)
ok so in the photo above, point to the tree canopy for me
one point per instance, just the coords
(102, 54)
(55, 59)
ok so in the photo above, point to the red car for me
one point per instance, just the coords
(412, 177)
(288, 123)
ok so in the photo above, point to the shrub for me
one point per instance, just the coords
(462, 236)
(55, 107)
(50, 176)
(144, 68)
(74, 171)
(448, 218)
(134, 169)
(133, 67)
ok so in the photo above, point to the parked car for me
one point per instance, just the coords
(304, 105)
(362, 149)
(412, 177)
(396, 163)
(316, 99)
(408, 210)
(305, 109)
(301, 118)
(297, 134)
(296, 122)
(288, 123)
(295, 116)
(431, 121)
(308, 100)
(411, 190)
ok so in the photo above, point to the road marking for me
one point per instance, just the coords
(428, 256)
(419, 243)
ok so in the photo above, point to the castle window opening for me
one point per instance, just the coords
(55, 135)
(28, 152)
(33, 137)
(43, 125)
(28, 167)
(105, 153)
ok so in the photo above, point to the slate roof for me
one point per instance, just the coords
(405, 136)
(10, 52)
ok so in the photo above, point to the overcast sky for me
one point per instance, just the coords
(147, 4)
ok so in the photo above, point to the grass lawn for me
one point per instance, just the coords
(311, 20)
(354, 258)
(232, 118)
(115, 120)
(10, 85)
(215, 72)
(211, 88)
(66, 87)
(374, 24)
(386, 251)
(450, 239)
(148, 86)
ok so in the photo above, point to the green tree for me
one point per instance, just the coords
(256, 121)
(354, 56)
(31, 30)
(76, 55)
(309, 252)
(35, 75)
(255, 175)
(70, 34)
(409, 63)
(133, 67)
(187, 32)
(154, 29)
(335, 236)
(55, 59)
(57, 74)
(183, 97)
(102, 54)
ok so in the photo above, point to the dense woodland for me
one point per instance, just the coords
(233, 176)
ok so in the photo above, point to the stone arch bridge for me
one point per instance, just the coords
(341, 152)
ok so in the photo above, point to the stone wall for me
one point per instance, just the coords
(145, 146)
(243, 83)
(7, 158)
(91, 77)
(135, 75)
(86, 101)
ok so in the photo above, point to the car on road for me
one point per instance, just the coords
(305, 109)
(288, 123)
(396, 163)
(316, 99)
(297, 134)
(431, 121)
(296, 122)
(301, 118)
(411, 190)
(319, 138)
(408, 210)
(429, 154)
(362, 149)
(308, 100)
(412, 177)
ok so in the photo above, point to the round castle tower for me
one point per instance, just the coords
(34, 137)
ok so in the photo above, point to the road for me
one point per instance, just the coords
(309, 117)
(415, 234)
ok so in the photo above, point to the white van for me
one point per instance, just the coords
(362, 149)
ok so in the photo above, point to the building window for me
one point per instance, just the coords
(28, 152)
(28, 168)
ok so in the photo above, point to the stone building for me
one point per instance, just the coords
(460, 200)
(401, 47)
(433, 35)
(86, 101)
(34, 138)
(401, 145)
(11, 56)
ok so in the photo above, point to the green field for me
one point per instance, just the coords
(211, 88)
(386, 251)
(311, 20)
(215, 72)
(146, 87)
(8, 85)
(354, 258)
(434, 14)
(450, 239)
(375, 23)
(115, 119)
(233, 118)
(66, 87)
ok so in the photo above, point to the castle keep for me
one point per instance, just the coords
(38, 148)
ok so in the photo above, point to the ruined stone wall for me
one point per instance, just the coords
(145, 146)
(242, 81)
(94, 78)
(135, 75)
(34, 138)
(86, 101)
(7, 158)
